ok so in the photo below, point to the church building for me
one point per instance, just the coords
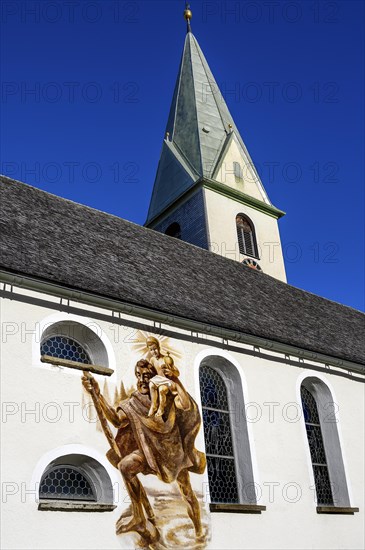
(219, 406)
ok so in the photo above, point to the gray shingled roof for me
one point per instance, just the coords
(53, 239)
(198, 127)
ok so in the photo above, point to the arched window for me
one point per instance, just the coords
(65, 348)
(246, 236)
(75, 342)
(75, 482)
(174, 230)
(218, 437)
(227, 446)
(319, 412)
(66, 482)
(316, 447)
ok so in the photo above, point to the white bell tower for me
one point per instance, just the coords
(207, 191)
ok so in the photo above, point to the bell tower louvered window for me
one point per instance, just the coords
(317, 449)
(218, 437)
(246, 236)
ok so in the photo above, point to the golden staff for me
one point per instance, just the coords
(87, 368)
(104, 371)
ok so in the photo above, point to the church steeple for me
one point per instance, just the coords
(202, 148)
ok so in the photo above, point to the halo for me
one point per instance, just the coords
(140, 346)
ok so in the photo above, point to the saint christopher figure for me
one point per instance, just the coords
(161, 445)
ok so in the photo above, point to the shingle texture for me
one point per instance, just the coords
(191, 217)
(53, 239)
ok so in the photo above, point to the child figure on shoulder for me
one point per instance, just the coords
(160, 385)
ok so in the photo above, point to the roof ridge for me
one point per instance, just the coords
(76, 245)
(192, 39)
(204, 63)
(232, 263)
(5, 179)
(177, 90)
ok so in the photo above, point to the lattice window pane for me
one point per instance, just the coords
(65, 348)
(217, 430)
(309, 407)
(213, 389)
(323, 485)
(66, 483)
(315, 442)
(218, 437)
(316, 447)
(222, 479)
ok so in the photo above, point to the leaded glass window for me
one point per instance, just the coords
(68, 483)
(316, 447)
(218, 437)
(246, 236)
(65, 348)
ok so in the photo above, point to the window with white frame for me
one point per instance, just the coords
(320, 419)
(218, 437)
(75, 342)
(73, 480)
(316, 448)
(64, 347)
(227, 445)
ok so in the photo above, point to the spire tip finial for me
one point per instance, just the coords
(187, 16)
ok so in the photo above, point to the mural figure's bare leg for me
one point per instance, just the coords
(146, 503)
(183, 480)
(129, 467)
(162, 392)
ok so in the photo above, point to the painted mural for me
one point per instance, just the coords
(157, 422)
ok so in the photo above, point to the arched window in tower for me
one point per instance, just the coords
(174, 230)
(320, 418)
(246, 236)
(218, 437)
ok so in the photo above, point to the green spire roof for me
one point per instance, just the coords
(198, 130)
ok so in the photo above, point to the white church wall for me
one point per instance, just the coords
(221, 222)
(282, 465)
(45, 411)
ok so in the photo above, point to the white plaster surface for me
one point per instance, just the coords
(276, 432)
(250, 183)
(221, 222)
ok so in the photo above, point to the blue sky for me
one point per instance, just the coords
(86, 90)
